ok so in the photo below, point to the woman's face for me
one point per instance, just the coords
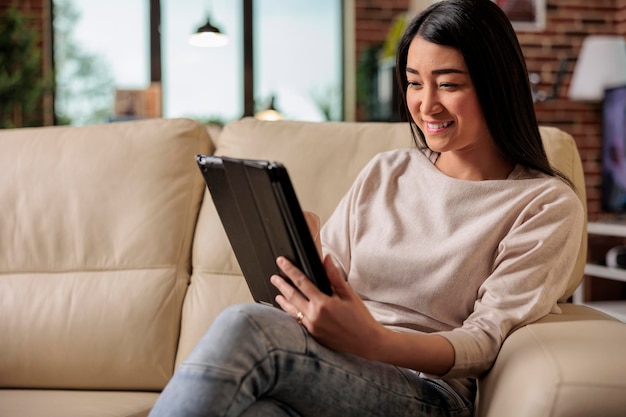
(442, 100)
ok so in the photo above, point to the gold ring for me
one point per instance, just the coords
(299, 316)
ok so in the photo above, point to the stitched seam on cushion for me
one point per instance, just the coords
(557, 388)
(172, 267)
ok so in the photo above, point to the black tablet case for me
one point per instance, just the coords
(261, 215)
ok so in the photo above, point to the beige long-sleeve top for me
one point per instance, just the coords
(471, 260)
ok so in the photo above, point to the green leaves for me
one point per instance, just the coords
(21, 81)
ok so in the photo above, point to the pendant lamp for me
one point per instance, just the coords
(208, 36)
(270, 113)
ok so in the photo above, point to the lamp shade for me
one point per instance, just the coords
(601, 64)
(208, 36)
(270, 113)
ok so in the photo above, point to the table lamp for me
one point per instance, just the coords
(601, 64)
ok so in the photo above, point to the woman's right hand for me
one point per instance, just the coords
(341, 321)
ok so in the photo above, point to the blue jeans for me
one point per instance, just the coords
(257, 360)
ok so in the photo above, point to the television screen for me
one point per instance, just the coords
(614, 150)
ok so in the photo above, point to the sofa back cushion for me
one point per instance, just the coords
(563, 155)
(96, 225)
(323, 160)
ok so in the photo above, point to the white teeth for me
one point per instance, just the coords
(438, 125)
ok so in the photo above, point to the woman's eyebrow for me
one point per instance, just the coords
(438, 71)
(448, 71)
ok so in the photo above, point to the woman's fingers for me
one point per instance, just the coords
(295, 299)
(290, 300)
(305, 286)
(287, 290)
(301, 281)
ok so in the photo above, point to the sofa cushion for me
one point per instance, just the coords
(96, 229)
(563, 155)
(74, 403)
(570, 364)
(323, 160)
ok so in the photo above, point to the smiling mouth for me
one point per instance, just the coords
(438, 126)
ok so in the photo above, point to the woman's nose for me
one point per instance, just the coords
(430, 102)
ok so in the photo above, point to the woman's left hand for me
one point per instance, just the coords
(340, 322)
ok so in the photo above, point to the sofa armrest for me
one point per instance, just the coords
(568, 365)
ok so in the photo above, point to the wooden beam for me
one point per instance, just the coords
(248, 59)
(155, 41)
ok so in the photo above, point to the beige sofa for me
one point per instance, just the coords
(113, 263)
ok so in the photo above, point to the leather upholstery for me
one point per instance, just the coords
(113, 263)
(96, 229)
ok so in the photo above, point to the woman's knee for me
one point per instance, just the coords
(247, 317)
(244, 326)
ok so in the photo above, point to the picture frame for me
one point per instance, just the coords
(525, 15)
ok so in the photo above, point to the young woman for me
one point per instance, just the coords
(435, 254)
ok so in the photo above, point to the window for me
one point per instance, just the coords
(102, 59)
(202, 83)
(298, 57)
(99, 47)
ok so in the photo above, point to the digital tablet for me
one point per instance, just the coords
(261, 215)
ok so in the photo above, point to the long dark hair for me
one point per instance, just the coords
(483, 34)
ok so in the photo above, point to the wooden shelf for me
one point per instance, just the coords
(607, 229)
(615, 309)
(605, 272)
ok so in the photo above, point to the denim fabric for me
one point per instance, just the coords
(257, 360)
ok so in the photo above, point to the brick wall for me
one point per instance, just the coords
(373, 18)
(567, 24)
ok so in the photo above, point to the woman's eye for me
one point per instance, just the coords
(414, 84)
(447, 86)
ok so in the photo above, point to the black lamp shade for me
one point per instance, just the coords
(208, 36)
